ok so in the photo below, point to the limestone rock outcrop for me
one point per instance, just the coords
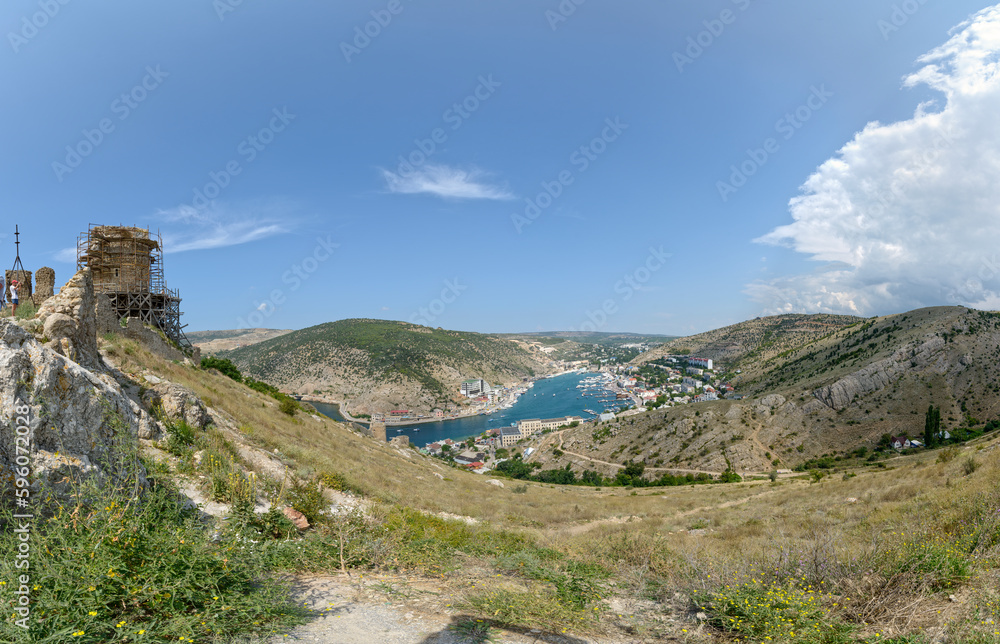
(79, 421)
(928, 355)
(178, 403)
(69, 321)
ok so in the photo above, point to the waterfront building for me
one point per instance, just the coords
(509, 436)
(475, 387)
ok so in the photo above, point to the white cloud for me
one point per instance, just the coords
(187, 228)
(66, 255)
(443, 181)
(907, 214)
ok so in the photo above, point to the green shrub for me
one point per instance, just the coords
(180, 437)
(768, 611)
(308, 499)
(288, 406)
(126, 570)
(224, 365)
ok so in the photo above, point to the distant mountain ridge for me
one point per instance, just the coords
(224, 340)
(742, 345)
(377, 365)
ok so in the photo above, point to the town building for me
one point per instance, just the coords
(475, 387)
(704, 363)
(509, 436)
(533, 425)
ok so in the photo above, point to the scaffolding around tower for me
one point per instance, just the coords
(126, 265)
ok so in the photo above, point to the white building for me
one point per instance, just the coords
(475, 388)
(704, 363)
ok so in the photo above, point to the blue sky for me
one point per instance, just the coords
(264, 141)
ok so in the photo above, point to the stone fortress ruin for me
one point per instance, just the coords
(126, 266)
(45, 279)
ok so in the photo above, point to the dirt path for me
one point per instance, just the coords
(393, 611)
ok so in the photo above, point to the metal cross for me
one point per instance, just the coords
(17, 246)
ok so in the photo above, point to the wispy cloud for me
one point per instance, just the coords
(187, 228)
(906, 214)
(446, 182)
(66, 255)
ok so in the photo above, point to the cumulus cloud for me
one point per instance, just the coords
(444, 181)
(907, 214)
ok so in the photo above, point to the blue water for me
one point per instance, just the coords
(538, 402)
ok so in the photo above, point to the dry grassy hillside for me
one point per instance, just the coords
(904, 551)
(827, 396)
(741, 345)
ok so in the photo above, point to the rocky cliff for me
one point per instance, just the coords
(79, 419)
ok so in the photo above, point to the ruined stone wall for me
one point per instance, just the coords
(378, 431)
(23, 288)
(45, 285)
(108, 322)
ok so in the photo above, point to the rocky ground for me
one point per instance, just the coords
(393, 610)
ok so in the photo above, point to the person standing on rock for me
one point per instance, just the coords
(3, 299)
(13, 297)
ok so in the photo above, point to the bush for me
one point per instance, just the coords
(224, 365)
(288, 406)
(947, 455)
(970, 465)
(773, 612)
(180, 437)
(308, 499)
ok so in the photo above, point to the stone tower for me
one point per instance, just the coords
(378, 430)
(45, 285)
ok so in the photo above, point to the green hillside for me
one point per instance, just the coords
(350, 358)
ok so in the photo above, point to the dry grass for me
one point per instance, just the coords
(917, 532)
